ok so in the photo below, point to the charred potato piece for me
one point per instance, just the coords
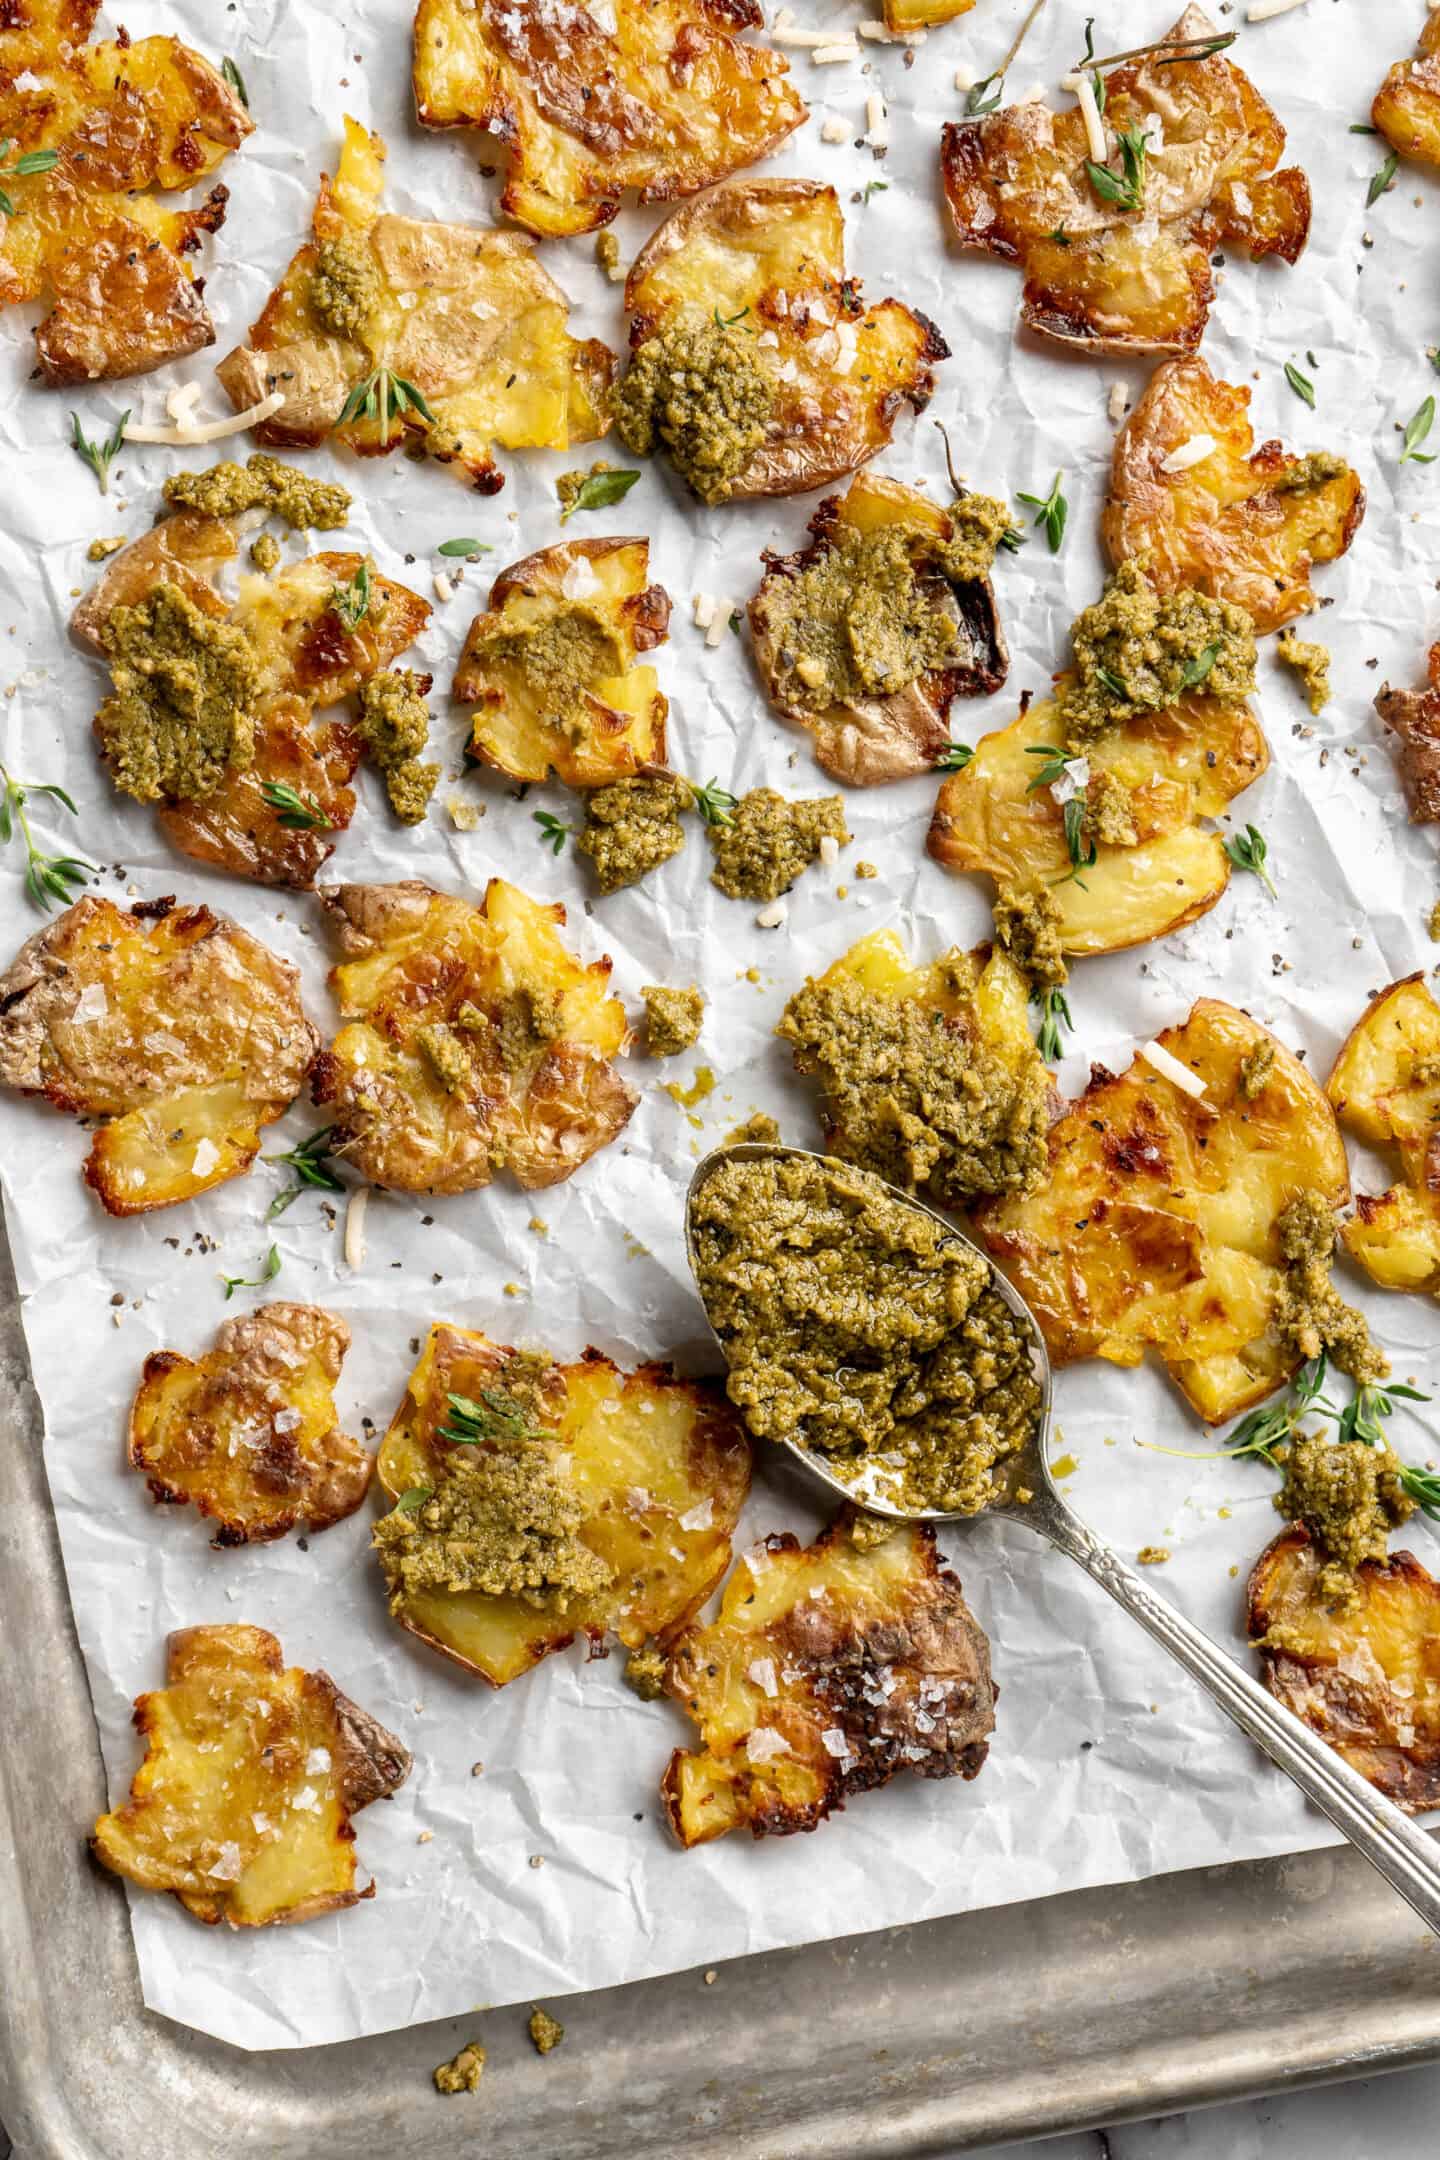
(870, 739)
(1365, 1677)
(122, 118)
(661, 1466)
(829, 1670)
(179, 1030)
(773, 252)
(248, 1431)
(1157, 1228)
(662, 97)
(1104, 279)
(1413, 717)
(1180, 766)
(592, 601)
(242, 1806)
(477, 1041)
(1385, 1088)
(461, 315)
(1238, 527)
(1407, 104)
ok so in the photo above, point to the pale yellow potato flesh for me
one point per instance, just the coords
(1378, 1096)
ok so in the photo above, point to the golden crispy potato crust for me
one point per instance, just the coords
(664, 1466)
(1413, 718)
(1406, 109)
(1228, 526)
(179, 1030)
(1097, 276)
(248, 1432)
(1385, 1087)
(667, 101)
(1157, 1227)
(774, 251)
(829, 1671)
(865, 741)
(478, 1041)
(242, 1805)
(618, 729)
(1365, 1677)
(124, 119)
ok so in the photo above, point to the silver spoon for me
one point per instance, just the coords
(1394, 1845)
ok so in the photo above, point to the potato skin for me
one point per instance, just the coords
(1413, 717)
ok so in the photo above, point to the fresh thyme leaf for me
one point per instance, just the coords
(1416, 430)
(310, 1161)
(29, 161)
(1051, 511)
(1056, 760)
(270, 1268)
(736, 618)
(553, 830)
(1054, 1014)
(1059, 236)
(599, 489)
(1300, 384)
(99, 456)
(352, 602)
(1110, 681)
(728, 322)
(1248, 851)
(1127, 187)
(1011, 540)
(1074, 821)
(873, 187)
(1381, 180)
(407, 395)
(1196, 670)
(1361, 127)
(47, 877)
(231, 74)
(497, 1416)
(465, 548)
(954, 757)
(297, 812)
(976, 101)
(379, 393)
(715, 804)
(415, 1498)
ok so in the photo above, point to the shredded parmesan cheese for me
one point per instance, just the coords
(1118, 401)
(704, 610)
(880, 34)
(808, 40)
(1090, 114)
(877, 125)
(1264, 9)
(718, 624)
(444, 590)
(355, 1227)
(829, 55)
(964, 78)
(834, 131)
(1170, 1068)
(1192, 452)
(771, 917)
(205, 431)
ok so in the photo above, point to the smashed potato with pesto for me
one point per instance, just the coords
(179, 1032)
(532, 1502)
(390, 331)
(866, 636)
(831, 1669)
(552, 666)
(242, 1806)
(661, 96)
(475, 1042)
(754, 364)
(248, 1431)
(1385, 1088)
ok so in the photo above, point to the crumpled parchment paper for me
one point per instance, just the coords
(550, 1869)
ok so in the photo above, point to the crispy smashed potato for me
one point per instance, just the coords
(1413, 718)
(248, 1431)
(830, 1670)
(1158, 1227)
(1179, 766)
(660, 1466)
(478, 1042)
(1385, 1087)
(1234, 526)
(1366, 1676)
(771, 253)
(1406, 109)
(1111, 280)
(552, 666)
(308, 659)
(241, 1808)
(123, 118)
(175, 1027)
(662, 97)
(461, 318)
(864, 740)
(905, 15)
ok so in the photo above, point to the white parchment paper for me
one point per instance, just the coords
(551, 1869)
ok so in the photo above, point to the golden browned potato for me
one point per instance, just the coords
(448, 337)
(1157, 1228)
(906, 15)
(1413, 718)
(551, 665)
(248, 1432)
(1104, 278)
(1406, 109)
(241, 1808)
(477, 1042)
(831, 373)
(178, 1030)
(1365, 1676)
(863, 740)
(307, 659)
(87, 234)
(657, 95)
(656, 1470)
(1180, 766)
(830, 1669)
(1237, 527)
(1385, 1087)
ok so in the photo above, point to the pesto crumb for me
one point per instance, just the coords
(394, 726)
(645, 1671)
(1311, 1317)
(265, 552)
(1350, 1497)
(1153, 1555)
(1135, 648)
(607, 251)
(1027, 929)
(632, 826)
(101, 550)
(546, 2032)
(758, 1128)
(1255, 1070)
(1311, 662)
(1110, 811)
(261, 483)
(1433, 922)
(345, 286)
(770, 839)
(462, 2072)
(673, 1019)
(866, 1531)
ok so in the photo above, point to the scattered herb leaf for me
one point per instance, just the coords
(47, 877)
(874, 187)
(599, 489)
(99, 456)
(270, 1268)
(1051, 511)
(553, 830)
(29, 161)
(1248, 851)
(415, 1498)
(728, 322)
(1074, 820)
(352, 602)
(1381, 180)
(1054, 1014)
(297, 812)
(465, 548)
(715, 804)
(1300, 384)
(310, 1161)
(954, 757)
(1416, 430)
(231, 74)
(1126, 189)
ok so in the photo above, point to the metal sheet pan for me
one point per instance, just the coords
(1022, 2021)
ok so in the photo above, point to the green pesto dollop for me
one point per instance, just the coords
(673, 1019)
(632, 826)
(181, 711)
(1309, 472)
(261, 483)
(1311, 662)
(1255, 1069)
(345, 287)
(856, 1326)
(770, 839)
(1350, 1497)
(702, 389)
(561, 657)
(546, 2032)
(759, 1126)
(503, 1520)
(1110, 811)
(645, 1671)
(394, 726)
(463, 2071)
(917, 1095)
(1134, 647)
(1311, 1317)
(265, 552)
(1027, 930)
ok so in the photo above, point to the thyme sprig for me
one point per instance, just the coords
(496, 1416)
(47, 877)
(1126, 188)
(20, 168)
(1012, 539)
(352, 602)
(99, 456)
(1300, 384)
(269, 1269)
(553, 830)
(380, 393)
(314, 1171)
(1051, 511)
(1054, 1014)
(714, 804)
(297, 812)
(1250, 851)
(977, 97)
(1176, 51)
(1417, 428)
(954, 757)
(230, 73)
